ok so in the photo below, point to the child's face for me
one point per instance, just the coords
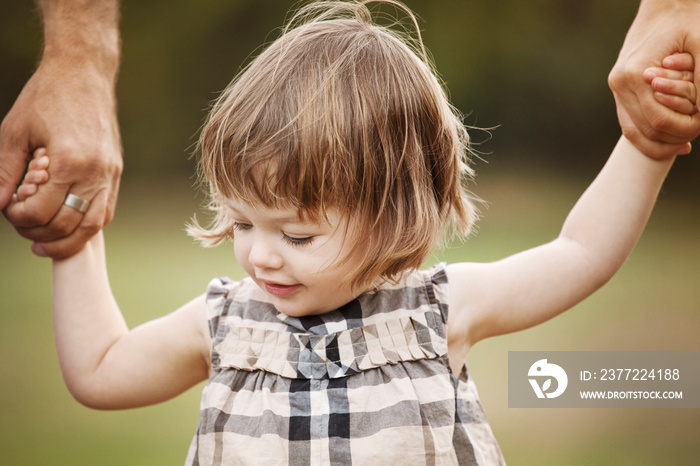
(290, 258)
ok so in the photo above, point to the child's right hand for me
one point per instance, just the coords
(37, 174)
(673, 85)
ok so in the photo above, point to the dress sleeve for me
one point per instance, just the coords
(216, 299)
(439, 286)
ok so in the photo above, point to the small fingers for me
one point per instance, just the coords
(37, 174)
(36, 177)
(40, 160)
(679, 61)
(650, 74)
(674, 87)
(683, 90)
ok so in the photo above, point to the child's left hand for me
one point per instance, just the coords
(37, 174)
(673, 83)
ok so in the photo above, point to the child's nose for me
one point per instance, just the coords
(263, 255)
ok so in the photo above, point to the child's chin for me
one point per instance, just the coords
(296, 311)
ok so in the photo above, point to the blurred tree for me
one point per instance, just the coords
(535, 69)
(20, 42)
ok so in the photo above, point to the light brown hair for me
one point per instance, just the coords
(340, 112)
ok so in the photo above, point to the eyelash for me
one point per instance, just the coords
(297, 241)
(239, 226)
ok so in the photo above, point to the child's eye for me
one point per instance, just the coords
(295, 240)
(241, 226)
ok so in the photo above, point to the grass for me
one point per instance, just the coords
(652, 304)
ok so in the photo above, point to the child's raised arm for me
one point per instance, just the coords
(597, 237)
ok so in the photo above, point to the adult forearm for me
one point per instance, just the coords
(82, 32)
(662, 4)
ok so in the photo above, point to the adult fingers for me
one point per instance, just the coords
(42, 216)
(676, 103)
(641, 116)
(653, 73)
(655, 129)
(649, 146)
(679, 61)
(88, 225)
(666, 125)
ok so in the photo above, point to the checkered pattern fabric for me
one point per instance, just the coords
(368, 383)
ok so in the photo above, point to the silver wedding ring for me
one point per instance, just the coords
(74, 202)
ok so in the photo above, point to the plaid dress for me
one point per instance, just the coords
(366, 384)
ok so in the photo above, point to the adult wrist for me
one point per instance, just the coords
(82, 34)
(661, 5)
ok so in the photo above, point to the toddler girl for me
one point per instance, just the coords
(335, 164)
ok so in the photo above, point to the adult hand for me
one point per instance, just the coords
(661, 28)
(69, 107)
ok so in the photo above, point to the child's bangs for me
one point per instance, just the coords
(275, 177)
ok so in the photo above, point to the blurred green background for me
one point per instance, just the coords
(535, 69)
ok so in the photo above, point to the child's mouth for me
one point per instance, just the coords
(278, 289)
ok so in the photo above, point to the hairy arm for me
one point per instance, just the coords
(69, 107)
(104, 364)
(535, 285)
